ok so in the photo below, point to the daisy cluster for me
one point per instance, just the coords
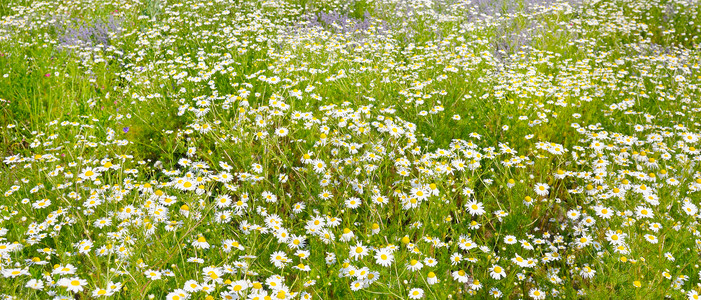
(285, 149)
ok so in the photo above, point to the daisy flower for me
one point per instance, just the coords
(414, 265)
(100, 292)
(89, 174)
(455, 259)
(178, 294)
(461, 276)
(536, 294)
(587, 272)
(651, 238)
(73, 284)
(615, 238)
(191, 286)
(12, 273)
(416, 293)
(358, 251)
(430, 261)
(419, 194)
(152, 275)
(510, 240)
(431, 278)
(384, 257)
(279, 259)
(200, 243)
(353, 202)
(347, 235)
(541, 189)
(474, 208)
(35, 284)
(497, 272)
(583, 241)
(643, 212)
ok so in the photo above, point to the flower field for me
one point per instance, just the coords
(360, 149)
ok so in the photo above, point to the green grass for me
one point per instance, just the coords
(600, 102)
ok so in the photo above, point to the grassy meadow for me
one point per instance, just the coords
(360, 149)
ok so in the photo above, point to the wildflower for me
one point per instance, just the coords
(192, 286)
(35, 284)
(178, 295)
(651, 238)
(269, 197)
(583, 241)
(384, 257)
(416, 293)
(475, 285)
(475, 208)
(100, 292)
(347, 235)
(460, 276)
(431, 278)
(153, 275)
(603, 212)
(358, 251)
(615, 238)
(414, 265)
(281, 132)
(587, 272)
(536, 294)
(319, 166)
(541, 189)
(223, 201)
(64, 270)
(353, 203)
(73, 284)
(690, 209)
(297, 242)
(419, 194)
(655, 227)
(326, 195)
(497, 272)
(455, 259)
(89, 174)
(357, 285)
(302, 267)
(12, 273)
(279, 259)
(643, 212)
(200, 243)
(41, 203)
(375, 228)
